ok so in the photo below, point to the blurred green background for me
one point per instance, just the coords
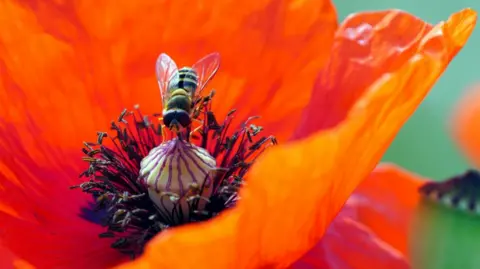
(424, 144)
(441, 238)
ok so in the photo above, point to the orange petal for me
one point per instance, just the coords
(465, 125)
(348, 244)
(40, 218)
(6, 258)
(89, 69)
(97, 58)
(385, 202)
(367, 46)
(374, 224)
(295, 190)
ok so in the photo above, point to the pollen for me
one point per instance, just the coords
(178, 173)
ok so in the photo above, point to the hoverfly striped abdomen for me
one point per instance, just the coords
(182, 88)
(187, 79)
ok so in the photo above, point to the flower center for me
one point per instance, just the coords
(145, 178)
(460, 192)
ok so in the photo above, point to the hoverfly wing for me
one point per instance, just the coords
(206, 69)
(166, 70)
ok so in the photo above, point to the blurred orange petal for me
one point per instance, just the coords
(367, 46)
(348, 244)
(385, 202)
(465, 125)
(284, 212)
(374, 224)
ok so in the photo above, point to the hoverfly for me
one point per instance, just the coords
(179, 88)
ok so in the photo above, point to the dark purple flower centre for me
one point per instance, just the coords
(172, 186)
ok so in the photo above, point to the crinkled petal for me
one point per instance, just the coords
(295, 190)
(367, 46)
(348, 244)
(77, 64)
(465, 125)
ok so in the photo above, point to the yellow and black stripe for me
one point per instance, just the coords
(187, 79)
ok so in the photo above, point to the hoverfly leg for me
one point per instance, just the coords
(162, 128)
(164, 134)
(196, 130)
(197, 120)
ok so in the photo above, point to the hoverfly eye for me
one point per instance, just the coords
(183, 118)
(179, 116)
(168, 117)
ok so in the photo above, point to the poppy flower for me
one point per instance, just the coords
(333, 95)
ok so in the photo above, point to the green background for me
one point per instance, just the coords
(441, 238)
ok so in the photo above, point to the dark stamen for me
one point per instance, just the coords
(131, 218)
